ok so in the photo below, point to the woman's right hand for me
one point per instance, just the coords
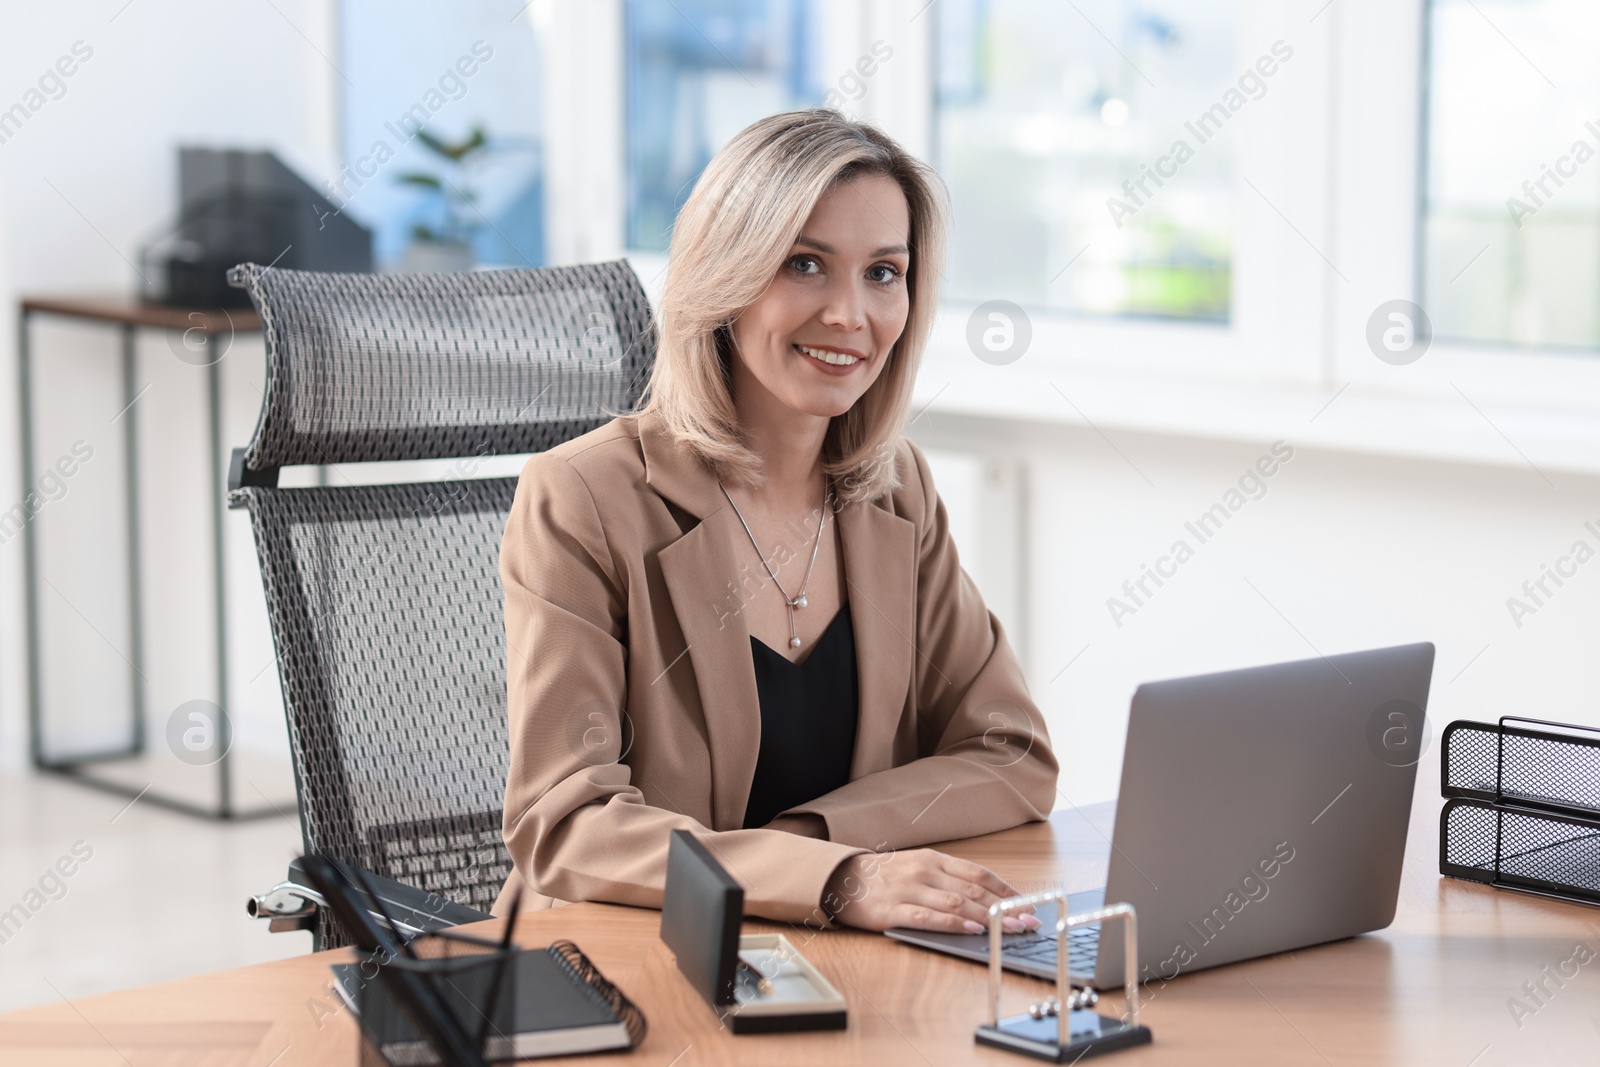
(921, 889)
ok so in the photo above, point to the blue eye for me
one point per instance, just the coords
(802, 259)
(894, 273)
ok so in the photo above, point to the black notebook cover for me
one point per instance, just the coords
(564, 1006)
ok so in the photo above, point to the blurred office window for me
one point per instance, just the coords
(698, 72)
(446, 69)
(1044, 110)
(1511, 217)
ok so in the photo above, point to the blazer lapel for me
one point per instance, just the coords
(698, 569)
(880, 555)
(707, 589)
(701, 577)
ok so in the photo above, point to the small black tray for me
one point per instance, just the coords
(1523, 806)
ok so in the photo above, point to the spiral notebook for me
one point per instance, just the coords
(564, 1006)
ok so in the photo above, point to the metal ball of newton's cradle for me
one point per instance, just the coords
(1041, 1008)
(1078, 999)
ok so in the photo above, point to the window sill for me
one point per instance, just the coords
(1358, 419)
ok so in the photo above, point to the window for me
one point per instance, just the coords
(1511, 223)
(443, 70)
(698, 72)
(1342, 179)
(1078, 135)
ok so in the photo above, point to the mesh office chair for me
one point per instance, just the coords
(385, 600)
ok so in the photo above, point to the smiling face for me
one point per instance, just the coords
(823, 331)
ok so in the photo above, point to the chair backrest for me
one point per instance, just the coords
(385, 600)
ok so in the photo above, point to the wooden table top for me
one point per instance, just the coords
(125, 310)
(1433, 988)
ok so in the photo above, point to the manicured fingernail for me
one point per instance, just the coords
(1012, 925)
(1031, 922)
(972, 927)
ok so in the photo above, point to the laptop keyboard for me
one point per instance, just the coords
(1083, 946)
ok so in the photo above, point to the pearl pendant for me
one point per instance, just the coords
(794, 642)
(801, 602)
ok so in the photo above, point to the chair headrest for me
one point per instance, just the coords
(370, 367)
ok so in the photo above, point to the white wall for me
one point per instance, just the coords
(1343, 552)
(85, 181)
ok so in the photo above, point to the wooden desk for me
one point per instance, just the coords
(203, 337)
(120, 309)
(1432, 989)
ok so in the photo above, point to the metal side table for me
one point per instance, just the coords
(128, 315)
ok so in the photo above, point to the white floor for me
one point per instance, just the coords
(160, 895)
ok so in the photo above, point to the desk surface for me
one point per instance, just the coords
(1434, 988)
(127, 310)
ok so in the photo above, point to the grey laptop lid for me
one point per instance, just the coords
(1265, 809)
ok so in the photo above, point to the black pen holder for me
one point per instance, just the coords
(475, 977)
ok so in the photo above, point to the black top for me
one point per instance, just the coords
(808, 721)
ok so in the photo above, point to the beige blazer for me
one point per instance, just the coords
(633, 703)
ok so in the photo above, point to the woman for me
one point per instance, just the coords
(738, 610)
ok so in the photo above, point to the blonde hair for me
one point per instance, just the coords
(728, 243)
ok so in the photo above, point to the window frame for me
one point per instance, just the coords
(1336, 168)
(1382, 211)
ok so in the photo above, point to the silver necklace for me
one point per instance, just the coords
(792, 601)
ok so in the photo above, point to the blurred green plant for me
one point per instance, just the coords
(454, 189)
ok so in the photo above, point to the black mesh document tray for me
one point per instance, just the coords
(1522, 806)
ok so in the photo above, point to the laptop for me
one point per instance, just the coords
(1261, 810)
